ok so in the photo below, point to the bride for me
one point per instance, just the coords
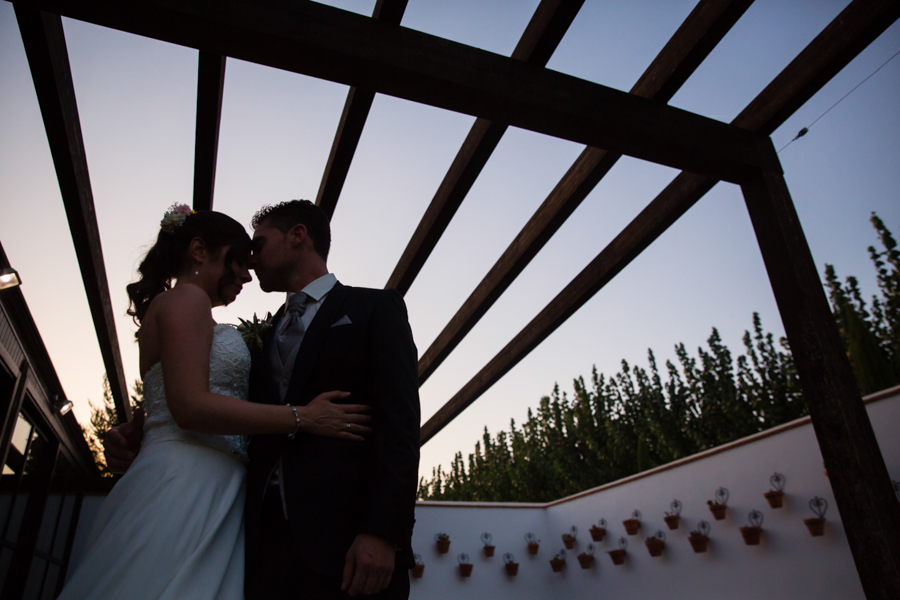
(172, 527)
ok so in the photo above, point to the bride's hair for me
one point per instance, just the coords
(169, 256)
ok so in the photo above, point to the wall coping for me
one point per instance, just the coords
(802, 421)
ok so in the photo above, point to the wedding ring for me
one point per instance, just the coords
(348, 425)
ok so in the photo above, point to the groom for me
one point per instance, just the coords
(328, 517)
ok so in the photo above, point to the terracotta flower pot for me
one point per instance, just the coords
(488, 550)
(443, 546)
(775, 498)
(557, 564)
(751, 534)
(617, 556)
(672, 521)
(597, 533)
(512, 569)
(569, 541)
(718, 510)
(465, 569)
(585, 560)
(631, 526)
(698, 542)
(417, 571)
(533, 549)
(655, 546)
(816, 526)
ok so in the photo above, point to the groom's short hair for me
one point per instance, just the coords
(285, 215)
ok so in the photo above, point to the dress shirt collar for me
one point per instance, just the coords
(320, 287)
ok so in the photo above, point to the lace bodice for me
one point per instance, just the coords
(229, 371)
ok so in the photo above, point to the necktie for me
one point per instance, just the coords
(291, 329)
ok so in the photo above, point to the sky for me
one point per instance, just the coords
(137, 101)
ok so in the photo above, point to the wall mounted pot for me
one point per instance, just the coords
(489, 550)
(417, 571)
(816, 526)
(632, 526)
(569, 540)
(751, 534)
(718, 510)
(672, 521)
(533, 548)
(557, 564)
(597, 533)
(512, 569)
(617, 556)
(775, 498)
(465, 569)
(443, 543)
(655, 546)
(699, 542)
(585, 560)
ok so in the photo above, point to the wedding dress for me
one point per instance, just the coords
(172, 527)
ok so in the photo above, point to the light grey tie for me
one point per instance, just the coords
(291, 329)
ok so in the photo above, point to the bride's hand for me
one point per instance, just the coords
(344, 421)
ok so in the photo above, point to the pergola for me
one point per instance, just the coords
(377, 55)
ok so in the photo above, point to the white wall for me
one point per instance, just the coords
(787, 563)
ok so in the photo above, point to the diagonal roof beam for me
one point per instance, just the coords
(328, 43)
(210, 82)
(353, 119)
(546, 29)
(845, 37)
(689, 46)
(45, 47)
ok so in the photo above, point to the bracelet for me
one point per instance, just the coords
(296, 420)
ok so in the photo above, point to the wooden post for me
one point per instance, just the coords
(210, 82)
(862, 488)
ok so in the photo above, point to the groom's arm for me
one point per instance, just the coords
(392, 483)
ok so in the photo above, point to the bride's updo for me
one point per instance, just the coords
(169, 256)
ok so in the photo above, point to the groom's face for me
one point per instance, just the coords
(271, 258)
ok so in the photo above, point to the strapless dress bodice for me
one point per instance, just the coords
(229, 372)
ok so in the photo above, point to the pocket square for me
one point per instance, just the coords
(345, 320)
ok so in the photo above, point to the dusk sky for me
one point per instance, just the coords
(137, 102)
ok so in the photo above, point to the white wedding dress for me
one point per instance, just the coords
(172, 527)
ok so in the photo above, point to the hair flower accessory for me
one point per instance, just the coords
(174, 217)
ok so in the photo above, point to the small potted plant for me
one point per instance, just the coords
(417, 570)
(533, 543)
(775, 496)
(672, 518)
(656, 543)
(699, 537)
(559, 561)
(586, 558)
(443, 543)
(717, 507)
(598, 530)
(752, 531)
(633, 524)
(488, 547)
(465, 567)
(618, 555)
(569, 538)
(816, 525)
(510, 564)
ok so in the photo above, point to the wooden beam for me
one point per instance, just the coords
(856, 469)
(210, 83)
(45, 47)
(692, 42)
(353, 120)
(546, 29)
(849, 33)
(328, 43)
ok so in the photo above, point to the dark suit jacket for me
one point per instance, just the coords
(336, 489)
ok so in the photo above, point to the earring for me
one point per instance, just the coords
(196, 272)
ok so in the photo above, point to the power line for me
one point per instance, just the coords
(805, 130)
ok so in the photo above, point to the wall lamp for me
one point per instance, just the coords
(61, 406)
(9, 277)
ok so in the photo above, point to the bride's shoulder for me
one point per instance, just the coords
(182, 300)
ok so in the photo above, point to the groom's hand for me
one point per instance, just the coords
(369, 565)
(121, 443)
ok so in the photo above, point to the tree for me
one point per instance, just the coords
(104, 418)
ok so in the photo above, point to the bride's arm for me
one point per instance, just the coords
(185, 330)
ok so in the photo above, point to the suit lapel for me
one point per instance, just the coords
(313, 340)
(261, 370)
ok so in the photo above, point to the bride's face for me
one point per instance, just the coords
(226, 282)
